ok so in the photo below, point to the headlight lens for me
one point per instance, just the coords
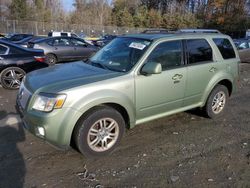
(47, 102)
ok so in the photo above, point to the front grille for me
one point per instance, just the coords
(23, 96)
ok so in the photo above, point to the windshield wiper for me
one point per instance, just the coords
(97, 64)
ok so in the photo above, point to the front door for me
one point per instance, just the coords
(81, 49)
(160, 93)
(62, 48)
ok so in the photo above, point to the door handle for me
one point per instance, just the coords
(213, 69)
(177, 77)
(55, 48)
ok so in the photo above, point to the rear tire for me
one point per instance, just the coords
(50, 59)
(99, 132)
(12, 77)
(217, 101)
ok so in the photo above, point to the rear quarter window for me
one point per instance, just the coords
(225, 47)
(3, 50)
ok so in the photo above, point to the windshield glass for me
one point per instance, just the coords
(121, 54)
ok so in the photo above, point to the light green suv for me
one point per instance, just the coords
(132, 80)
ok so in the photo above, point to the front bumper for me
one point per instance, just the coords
(57, 125)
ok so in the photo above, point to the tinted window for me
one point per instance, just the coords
(225, 47)
(199, 51)
(50, 42)
(3, 50)
(168, 54)
(61, 42)
(76, 42)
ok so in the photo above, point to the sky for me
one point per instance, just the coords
(67, 4)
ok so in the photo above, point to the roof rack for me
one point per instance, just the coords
(158, 31)
(198, 31)
(172, 31)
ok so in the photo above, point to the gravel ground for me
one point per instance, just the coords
(182, 150)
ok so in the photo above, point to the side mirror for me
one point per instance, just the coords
(151, 68)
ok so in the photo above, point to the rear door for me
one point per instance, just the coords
(62, 48)
(159, 93)
(201, 67)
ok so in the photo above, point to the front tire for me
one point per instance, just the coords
(217, 101)
(11, 77)
(99, 132)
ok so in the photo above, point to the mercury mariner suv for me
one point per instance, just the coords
(132, 80)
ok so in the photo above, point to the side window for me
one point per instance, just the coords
(61, 42)
(76, 42)
(199, 51)
(3, 50)
(225, 48)
(50, 42)
(168, 54)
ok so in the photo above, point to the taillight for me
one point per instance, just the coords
(39, 58)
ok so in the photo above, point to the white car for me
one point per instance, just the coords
(61, 34)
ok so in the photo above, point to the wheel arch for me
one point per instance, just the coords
(122, 110)
(51, 53)
(228, 83)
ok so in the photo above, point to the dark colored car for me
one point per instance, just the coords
(243, 46)
(104, 40)
(16, 61)
(24, 42)
(17, 37)
(58, 49)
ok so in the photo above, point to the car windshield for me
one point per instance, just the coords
(121, 54)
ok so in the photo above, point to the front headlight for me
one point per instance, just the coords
(47, 102)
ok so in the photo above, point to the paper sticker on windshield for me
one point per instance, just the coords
(137, 45)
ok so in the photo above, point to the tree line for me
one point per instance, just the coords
(225, 15)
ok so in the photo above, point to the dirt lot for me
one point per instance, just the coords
(183, 150)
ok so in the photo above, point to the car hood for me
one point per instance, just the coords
(65, 76)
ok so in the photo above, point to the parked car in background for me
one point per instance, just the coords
(61, 34)
(2, 35)
(132, 80)
(24, 42)
(16, 61)
(243, 46)
(59, 49)
(15, 37)
(104, 40)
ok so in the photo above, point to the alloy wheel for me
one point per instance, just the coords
(103, 134)
(12, 78)
(219, 102)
